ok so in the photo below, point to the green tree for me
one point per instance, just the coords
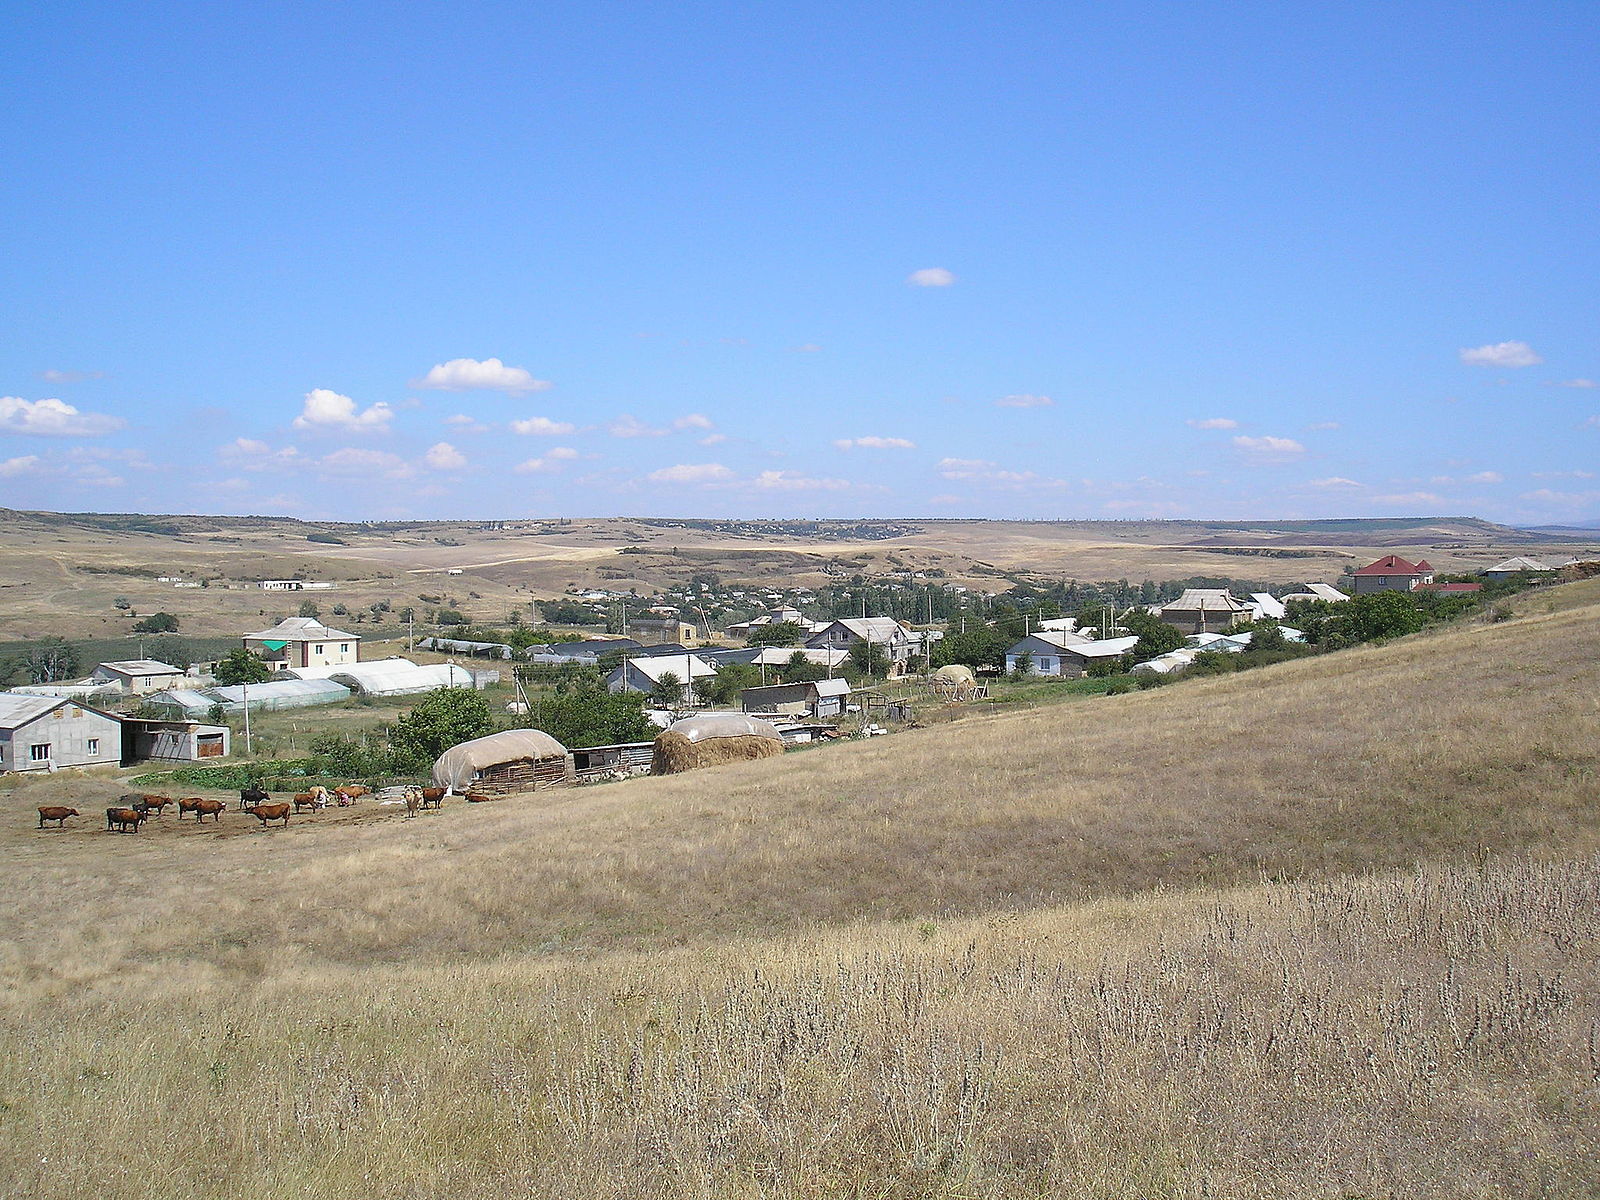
(161, 622)
(1155, 636)
(800, 669)
(241, 666)
(308, 608)
(979, 645)
(779, 633)
(1024, 666)
(51, 659)
(723, 688)
(668, 691)
(869, 659)
(587, 714)
(1382, 615)
(443, 718)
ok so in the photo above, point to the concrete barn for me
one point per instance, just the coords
(43, 733)
(146, 738)
(303, 642)
(138, 676)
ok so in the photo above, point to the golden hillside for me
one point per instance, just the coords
(1324, 929)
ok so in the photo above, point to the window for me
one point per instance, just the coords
(60, 714)
(77, 712)
(344, 647)
(1044, 664)
(319, 649)
(94, 747)
(39, 751)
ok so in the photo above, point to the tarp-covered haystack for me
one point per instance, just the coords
(518, 760)
(713, 738)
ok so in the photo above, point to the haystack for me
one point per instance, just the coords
(705, 741)
(955, 673)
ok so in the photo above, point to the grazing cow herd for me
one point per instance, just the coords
(134, 809)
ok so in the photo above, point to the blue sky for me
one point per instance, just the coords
(1059, 260)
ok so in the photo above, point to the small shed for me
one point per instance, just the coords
(713, 738)
(146, 738)
(503, 764)
(137, 676)
(817, 698)
(623, 758)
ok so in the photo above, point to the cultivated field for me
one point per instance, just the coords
(1323, 929)
(61, 574)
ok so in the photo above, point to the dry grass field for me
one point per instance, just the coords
(61, 574)
(1325, 929)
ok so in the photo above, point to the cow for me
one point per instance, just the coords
(413, 801)
(124, 820)
(479, 798)
(134, 800)
(252, 796)
(188, 804)
(211, 808)
(355, 790)
(155, 804)
(54, 812)
(270, 812)
(434, 797)
(306, 800)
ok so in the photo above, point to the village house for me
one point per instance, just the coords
(822, 698)
(1318, 591)
(303, 642)
(1512, 567)
(43, 733)
(898, 642)
(662, 629)
(1391, 573)
(643, 674)
(1205, 610)
(138, 676)
(1065, 655)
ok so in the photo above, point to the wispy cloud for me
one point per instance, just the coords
(991, 474)
(442, 456)
(1564, 500)
(930, 277)
(21, 465)
(466, 424)
(52, 376)
(549, 461)
(353, 460)
(1574, 383)
(469, 374)
(694, 421)
(1336, 481)
(53, 418)
(1324, 425)
(1269, 449)
(325, 409)
(1486, 477)
(542, 427)
(629, 426)
(1024, 402)
(1501, 354)
(1428, 499)
(789, 481)
(871, 442)
(691, 473)
(1212, 423)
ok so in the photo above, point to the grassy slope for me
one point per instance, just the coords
(563, 1003)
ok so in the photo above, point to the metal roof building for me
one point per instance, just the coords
(390, 676)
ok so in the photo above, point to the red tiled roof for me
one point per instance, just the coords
(1393, 564)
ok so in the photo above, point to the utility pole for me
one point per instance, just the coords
(247, 747)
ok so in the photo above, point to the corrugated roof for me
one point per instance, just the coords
(1205, 600)
(302, 629)
(1109, 648)
(685, 666)
(833, 687)
(390, 676)
(281, 689)
(18, 709)
(142, 666)
(1520, 562)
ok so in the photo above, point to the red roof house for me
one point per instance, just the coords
(1391, 573)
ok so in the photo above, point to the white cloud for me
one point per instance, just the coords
(1270, 449)
(1336, 481)
(1024, 402)
(549, 461)
(561, 453)
(1321, 425)
(930, 277)
(53, 418)
(1563, 499)
(1593, 422)
(629, 426)
(876, 443)
(442, 456)
(788, 481)
(1564, 475)
(1213, 423)
(468, 374)
(981, 470)
(691, 473)
(327, 409)
(466, 424)
(1501, 354)
(711, 439)
(1486, 477)
(355, 461)
(258, 456)
(1576, 383)
(694, 421)
(21, 465)
(70, 376)
(542, 427)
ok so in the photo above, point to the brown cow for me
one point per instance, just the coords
(479, 798)
(155, 804)
(54, 812)
(188, 804)
(125, 820)
(353, 790)
(434, 797)
(270, 812)
(306, 800)
(211, 808)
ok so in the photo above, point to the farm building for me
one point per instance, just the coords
(623, 758)
(277, 694)
(1391, 573)
(1513, 567)
(666, 629)
(1066, 655)
(303, 642)
(823, 698)
(172, 741)
(440, 645)
(42, 733)
(713, 738)
(138, 676)
(898, 642)
(502, 764)
(1318, 591)
(391, 676)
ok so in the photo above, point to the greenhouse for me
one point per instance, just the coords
(390, 676)
(279, 693)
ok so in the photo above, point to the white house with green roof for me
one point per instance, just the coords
(303, 642)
